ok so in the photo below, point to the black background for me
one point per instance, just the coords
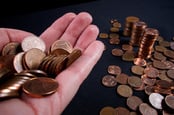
(92, 95)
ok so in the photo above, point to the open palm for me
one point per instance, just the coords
(81, 33)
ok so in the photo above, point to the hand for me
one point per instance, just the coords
(79, 31)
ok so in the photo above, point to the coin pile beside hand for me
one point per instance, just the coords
(28, 67)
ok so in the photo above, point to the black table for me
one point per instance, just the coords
(92, 95)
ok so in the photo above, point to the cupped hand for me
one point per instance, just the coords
(81, 33)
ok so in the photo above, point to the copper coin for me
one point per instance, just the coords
(124, 91)
(140, 62)
(114, 35)
(107, 110)
(116, 24)
(41, 86)
(146, 109)
(114, 70)
(132, 19)
(127, 47)
(109, 81)
(159, 56)
(163, 76)
(147, 80)
(133, 102)
(114, 40)
(169, 99)
(160, 48)
(169, 53)
(149, 89)
(117, 52)
(122, 78)
(129, 55)
(160, 65)
(73, 56)
(61, 44)
(121, 111)
(138, 70)
(30, 42)
(114, 29)
(151, 72)
(170, 73)
(134, 81)
(58, 52)
(156, 100)
(33, 57)
(163, 84)
(164, 43)
(103, 35)
(11, 48)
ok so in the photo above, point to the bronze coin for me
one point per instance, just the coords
(114, 70)
(140, 62)
(107, 110)
(133, 102)
(169, 100)
(146, 109)
(138, 70)
(163, 76)
(163, 84)
(134, 81)
(160, 64)
(122, 78)
(73, 56)
(164, 43)
(169, 53)
(160, 48)
(114, 35)
(124, 91)
(11, 48)
(41, 86)
(126, 47)
(103, 35)
(117, 52)
(151, 72)
(61, 44)
(128, 55)
(33, 57)
(109, 81)
(170, 73)
(155, 100)
(159, 56)
(147, 80)
(121, 111)
(114, 40)
(30, 42)
(149, 89)
(114, 29)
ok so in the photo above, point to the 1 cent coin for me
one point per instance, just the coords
(41, 86)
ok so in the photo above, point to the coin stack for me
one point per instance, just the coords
(27, 67)
(148, 39)
(129, 24)
(137, 32)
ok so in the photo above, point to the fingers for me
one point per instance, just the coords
(89, 35)
(76, 27)
(57, 28)
(71, 78)
(8, 35)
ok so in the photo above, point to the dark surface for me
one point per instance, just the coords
(92, 95)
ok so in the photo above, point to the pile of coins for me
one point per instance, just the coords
(28, 67)
(152, 76)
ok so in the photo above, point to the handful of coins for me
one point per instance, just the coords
(27, 67)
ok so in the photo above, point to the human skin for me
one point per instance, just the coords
(81, 33)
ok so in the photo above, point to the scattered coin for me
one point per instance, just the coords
(109, 81)
(117, 52)
(169, 99)
(133, 102)
(107, 110)
(138, 70)
(146, 109)
(103, 35)
(121, 111)
(114, 70)
(124, 91)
